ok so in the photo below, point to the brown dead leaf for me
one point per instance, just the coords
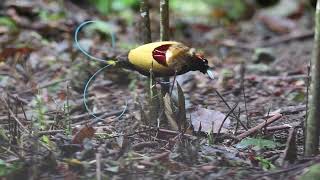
(83, 133)
(170, 112)
(7, 52)
(206, 120)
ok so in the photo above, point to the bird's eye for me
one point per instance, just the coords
(205, 60)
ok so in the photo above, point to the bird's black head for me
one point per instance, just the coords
(198, 62)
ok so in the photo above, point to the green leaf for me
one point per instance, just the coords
(256, 144)
(45, 139)
(312, 173)
(7, 168)
(8, 22)
(297, 96)
(266, 164)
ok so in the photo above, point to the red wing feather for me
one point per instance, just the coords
(159, 54)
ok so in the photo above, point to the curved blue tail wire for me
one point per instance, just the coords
(97, 72)
(113, 41)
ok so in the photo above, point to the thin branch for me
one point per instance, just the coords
(14, 116)
(259, 126)
(225, 118)
(235, 116)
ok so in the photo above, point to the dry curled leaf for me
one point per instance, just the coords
(83, 133)
(170, 112)
(206, 120)
(7, 52)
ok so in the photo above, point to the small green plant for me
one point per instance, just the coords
(8, 168)
(211, 138)
(265, 163)
(8, 22)
(40, 110)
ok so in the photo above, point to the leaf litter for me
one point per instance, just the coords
(54, 64)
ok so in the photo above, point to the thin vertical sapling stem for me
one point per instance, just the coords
(146, 38)
(307, 103)
(164, 33)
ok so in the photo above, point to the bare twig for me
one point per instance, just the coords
(50, 132)
(235, 116)
(14, 116)
(160, 156)
(140, 146)
(225, 118)
(243, 71)
(45, 85)
(280, 127)
(259, 126)
(289, 37)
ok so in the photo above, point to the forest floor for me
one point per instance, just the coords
(47, 133)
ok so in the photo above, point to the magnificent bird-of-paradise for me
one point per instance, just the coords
(163, 59)
(167, 58)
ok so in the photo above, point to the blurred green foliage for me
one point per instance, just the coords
(219, 9)
(8, 22)
(7, 168)
(108, 6)
(265, 163)
(47, 16)
(191, 7)
(232, 9)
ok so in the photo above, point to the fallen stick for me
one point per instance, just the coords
(259, 126)
(279, 127)
(50, 132)
(141, 145)
(42, 86)
(279, 78)
(274, 41)
(287, 38)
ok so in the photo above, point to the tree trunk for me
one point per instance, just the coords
(313, 121)
(145, 22)
(164, 20)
